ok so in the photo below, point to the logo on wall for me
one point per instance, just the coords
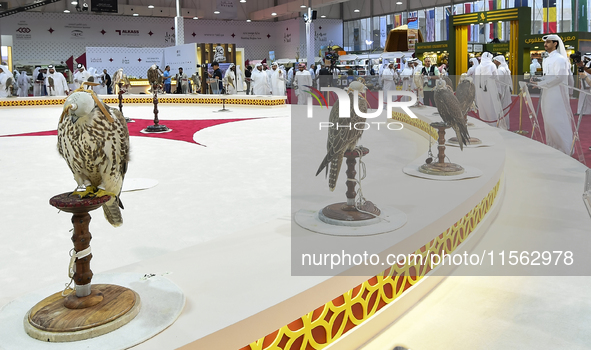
(286, 38)
(77, 34)
(178, 53)
(219, 54)
(128, 32)
(125, 60)
(23, 33)
(320, 36)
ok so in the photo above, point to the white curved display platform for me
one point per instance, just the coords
(220, 220)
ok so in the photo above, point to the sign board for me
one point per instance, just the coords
(477, 47)
(103, 6)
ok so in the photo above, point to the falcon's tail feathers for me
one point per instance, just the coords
(335, 169)
(323, 165)
(112, 212)
(462, 135)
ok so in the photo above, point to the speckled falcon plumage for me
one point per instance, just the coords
(96, 150)
(450, 110)
(341, 140)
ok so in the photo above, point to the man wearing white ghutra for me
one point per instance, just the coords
(555, 103)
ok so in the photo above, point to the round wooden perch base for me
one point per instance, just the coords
(441, 169)
(471, 141)
(64, 319)
(343, 212)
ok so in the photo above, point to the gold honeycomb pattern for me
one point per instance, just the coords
(416, 122)
(148, 99)
(329, 322)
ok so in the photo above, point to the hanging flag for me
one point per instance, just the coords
(447, 14)
(499, 33)
(582, 15)
(430, 25)
(70, 63)
(82, 59)
(413, 20)
(397, 20)
(521, 3)
(549, 16)
(468, 9)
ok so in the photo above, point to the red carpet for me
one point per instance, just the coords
(182, 130)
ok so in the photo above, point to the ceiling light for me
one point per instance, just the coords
(67, 11)
(248, 20)
(135, 15)
(74, 3)
(216, 12)
(356, 10)
(150, 6)
(398, 2)
(274, 14)
(303, 6)
(195, 17)
(242, 0)
(323, 16)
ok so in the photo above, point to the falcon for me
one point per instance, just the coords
(9, 85)
(119, 77)
(341, 140)
(155, 76)
(451, 112)
(465, 93)
(94, 140)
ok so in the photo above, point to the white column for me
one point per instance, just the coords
(179, 28)
(309, 39)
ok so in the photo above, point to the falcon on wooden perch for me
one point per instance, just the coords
(94, 140)
(155, 77)
(450, 110)
(341, 140)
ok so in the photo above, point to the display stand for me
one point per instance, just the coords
(440, 167)
(91, 310)
(156, 128)
(120, 96)
(349, 211)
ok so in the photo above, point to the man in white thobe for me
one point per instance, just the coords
(388, 76)
(260, 82)
(555, 103)
(584, 104)
(277, 81)
(473, 65)
(23, 84)
(56, 83)
(489, 104)
(504, 86)
(302, 79)
(230, 80)
(81, 76)
(533, 67)
(4, 75)
(407, 76)
(239, 79)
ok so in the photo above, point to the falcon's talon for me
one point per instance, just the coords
(89, 192)
(100, 193)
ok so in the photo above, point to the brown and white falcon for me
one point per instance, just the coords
(341, 140)
(94, 140)
(450, 110)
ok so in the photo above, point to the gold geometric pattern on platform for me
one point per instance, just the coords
(329, 322)
(148, 99)
(417, 123)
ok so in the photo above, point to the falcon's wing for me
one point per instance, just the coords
(465, 94)
(450, 110)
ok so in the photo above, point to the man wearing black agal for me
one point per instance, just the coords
(217, 75)
(247, 75)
